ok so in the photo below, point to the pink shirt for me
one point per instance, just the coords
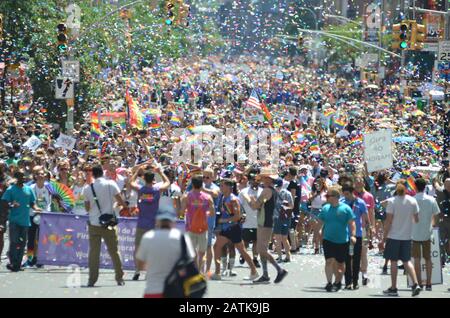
(368, 198)
(197, 202)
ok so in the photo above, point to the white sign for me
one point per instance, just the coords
(373, 20)
(117, 105)
(74, 19)
(381, 72)
(71, 69)
(33, 143)
(63, 88)
(280, 75)
(204, 76)
(372, 23)
(378, 150)
(444, 51)
(65, 142)
(436, 273)
(368, 59)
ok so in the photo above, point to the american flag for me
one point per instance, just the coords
(254, 100)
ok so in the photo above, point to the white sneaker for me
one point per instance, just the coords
(225, 273)
(252, 277)
(215, 277)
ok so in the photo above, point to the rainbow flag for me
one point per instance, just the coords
(175, 121)
(155, 127)
(277, 139)
(357, 140)
(298, 136)
(266, 112)
(329, 112)
(314, 147)
(296, 149)
(340, 123)
(310, 134)
(190, 128)
(243, 125)
(96, 130)
(23, 109)
(411, 184)
(135, 116)
(434, 147)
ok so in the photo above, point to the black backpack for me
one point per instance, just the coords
(185, 280)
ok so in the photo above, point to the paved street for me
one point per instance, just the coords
(305, 280)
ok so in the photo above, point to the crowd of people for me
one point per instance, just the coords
(319, 195)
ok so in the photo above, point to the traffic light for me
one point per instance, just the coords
(170, 15)
(300, 41)
(62, 38)
(418, 36)
(401, 35)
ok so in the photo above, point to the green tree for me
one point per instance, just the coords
(30, 32)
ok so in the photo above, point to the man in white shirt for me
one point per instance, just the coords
(401, 211)
(105, 193)
(158, 252)
(250, 225)
(421, 232)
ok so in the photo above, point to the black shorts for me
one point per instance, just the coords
(249, 235)
(380, 216)
(234, 233)
(3, 219)
(396, 250)
(335, 250)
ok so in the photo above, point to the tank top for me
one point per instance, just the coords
(226, 210)
(197, 212)
(265, 217)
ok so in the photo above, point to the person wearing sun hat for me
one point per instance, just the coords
(265, 203)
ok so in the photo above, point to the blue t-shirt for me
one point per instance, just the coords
(359, 208)
(335, 222)
(25, 197)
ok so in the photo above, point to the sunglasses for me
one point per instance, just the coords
(63, 169)
(206, 178)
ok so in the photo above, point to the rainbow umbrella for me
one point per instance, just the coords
(63, 192)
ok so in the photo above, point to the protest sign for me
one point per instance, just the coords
(65, 142)
(33, 143)
(378, 150)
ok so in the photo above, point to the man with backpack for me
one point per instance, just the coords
(197, 206)
(159, 251)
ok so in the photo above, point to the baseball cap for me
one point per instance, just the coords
(278, 183)
(166, 216)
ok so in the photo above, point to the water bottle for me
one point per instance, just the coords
(351, 249)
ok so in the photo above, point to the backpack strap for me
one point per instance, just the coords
(95, 198)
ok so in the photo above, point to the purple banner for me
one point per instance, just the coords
(64, 240)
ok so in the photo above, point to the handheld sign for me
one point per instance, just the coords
(378, 150)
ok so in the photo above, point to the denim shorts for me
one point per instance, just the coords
(281, 227)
